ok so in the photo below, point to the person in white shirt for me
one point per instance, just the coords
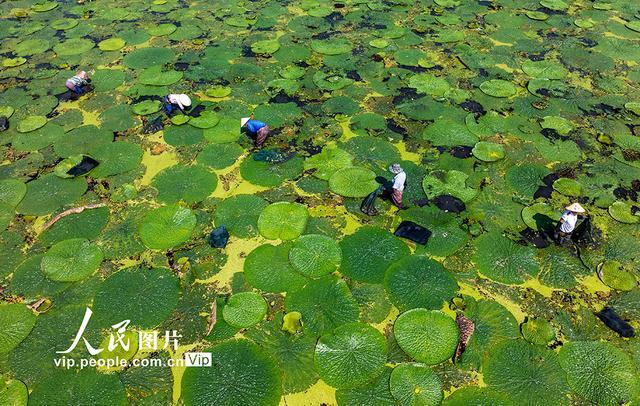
(567, 222)
(397, 188)
(173, 102)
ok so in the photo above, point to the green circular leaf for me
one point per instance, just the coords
(526, 373)
(111, 44)
(600, 372)
(488, 151)
(368, 252)
(353, 181)
(502, 260)
(167, 227)
(268, 268)
(243, 374)
(538, 331)
(48, 193)
(71, 260)
(334, 46)
(612, 275)
(244, 309)
(452, 182)
(31, 123)
(73, 46)
(268, 46)
(428, 336)
(13, 393)
(623, 212)
(314, 255)
(16, 322)
(415, 384)
(417, 281)
(498, 88)
(191, 184)
(145, 296)
(219, 156)
(283, 220)
(328, 162)
(471, 395)
(568, 187)
(240, 214)
(146, 107)
(12, 191)
(351, 355)
(324, 303)
(207, 119)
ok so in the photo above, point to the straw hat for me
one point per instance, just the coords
(395, 169)
(576, 208)
(244, 121)
(184, 100)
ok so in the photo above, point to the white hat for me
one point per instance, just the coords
(244, 120)
(576, 208)
(395, 168)
(184, 100)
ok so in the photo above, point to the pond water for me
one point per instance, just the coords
(501, 113)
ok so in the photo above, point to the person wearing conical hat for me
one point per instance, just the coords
(567, 222)
(397, 185)
(258, 130)
(173, 102)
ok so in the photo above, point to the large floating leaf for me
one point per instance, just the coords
(283, 220)
(31, 123)
(448, 133)
(268, 268)
(427, 336)
(503, 260)
(368, 253)
(324, 304)
(240, 214)
(376, 393)
(327, 162)
(16, 322)
(451, 182)
(600, 372)
(84, 387)
(498, 88)
(526, 373)
(243, 374)
(331, 47)
(351, 355)
(144, 296)
(191, 184)
(167, 227)
(314, 255)
(294, 353)
(417, 281)
(244, 309)
(472, 395)
(353, 182)
(415, 384)
(71, 260)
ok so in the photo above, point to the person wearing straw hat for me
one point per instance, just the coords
(258, 130)
(396, 188)
(173, 102)
(567, 222)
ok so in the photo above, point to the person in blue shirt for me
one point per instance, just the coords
(256, 129)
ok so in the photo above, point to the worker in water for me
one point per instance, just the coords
(79, 83)
(173, 102)
(567, 223)
(257, 130)
(396, 187)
